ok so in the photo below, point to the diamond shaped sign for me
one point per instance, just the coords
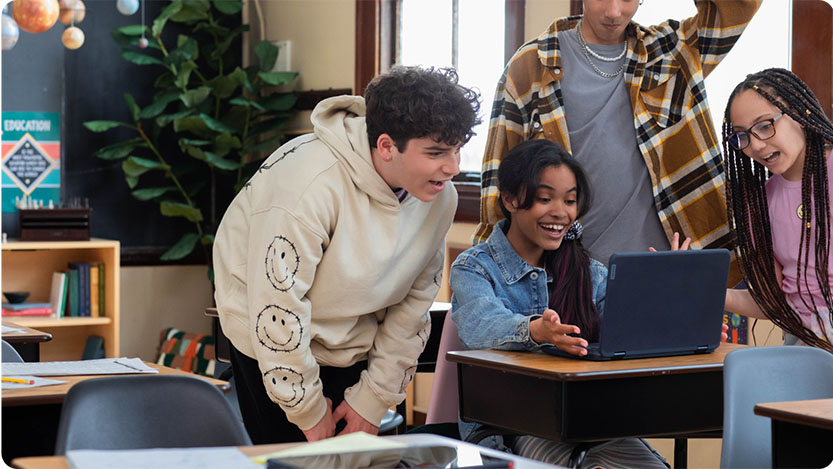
(27, 164)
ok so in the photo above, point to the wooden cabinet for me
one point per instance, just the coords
(28, 266)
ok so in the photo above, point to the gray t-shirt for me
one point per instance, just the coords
(603, 139)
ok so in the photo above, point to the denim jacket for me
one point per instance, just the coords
(497, 294)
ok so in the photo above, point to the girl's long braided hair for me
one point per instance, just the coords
(749, 212)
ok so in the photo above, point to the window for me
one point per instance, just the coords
(465, 34)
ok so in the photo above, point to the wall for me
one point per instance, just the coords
(154, 298)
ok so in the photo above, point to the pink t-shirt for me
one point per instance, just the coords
(784, 199)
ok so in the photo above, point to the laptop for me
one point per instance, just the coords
(660, 304)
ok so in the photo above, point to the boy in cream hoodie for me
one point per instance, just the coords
(327, 262)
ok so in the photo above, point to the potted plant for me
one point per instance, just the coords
(206, 119)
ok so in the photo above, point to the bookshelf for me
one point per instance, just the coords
(28, 265)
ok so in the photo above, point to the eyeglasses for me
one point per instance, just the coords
(763, 130)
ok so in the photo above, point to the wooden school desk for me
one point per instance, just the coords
(27, 343)
(30, 416)
(585, 401)
(802, 432)
(414, 439)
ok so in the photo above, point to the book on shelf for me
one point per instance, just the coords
(94, 289)
(102, 290)
(27, 309)
(72, 293)
(81, 290)
(25, 305)
(58, 293)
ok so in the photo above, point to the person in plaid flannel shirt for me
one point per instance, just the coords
(629, 102)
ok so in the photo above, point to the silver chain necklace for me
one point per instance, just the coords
(588, 52)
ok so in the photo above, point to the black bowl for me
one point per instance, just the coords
(16, 296)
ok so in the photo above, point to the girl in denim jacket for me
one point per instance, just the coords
(532, 283)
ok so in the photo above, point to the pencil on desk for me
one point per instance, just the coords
(17, 380)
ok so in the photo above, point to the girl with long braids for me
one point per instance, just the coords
(774, 125)
(532, 282)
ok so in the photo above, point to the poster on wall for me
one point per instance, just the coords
(31, 149)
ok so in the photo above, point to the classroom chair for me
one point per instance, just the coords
(149, 411)
(10, 355)
(766, 374)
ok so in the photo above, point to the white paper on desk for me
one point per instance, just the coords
(160, 458)
(37, 382)
(9, 330)
(103, 366)
(349, 443)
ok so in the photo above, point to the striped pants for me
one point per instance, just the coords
(623, 453)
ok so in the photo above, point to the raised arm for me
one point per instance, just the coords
(717, 27)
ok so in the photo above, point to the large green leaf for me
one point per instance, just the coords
(190, 124)
(268, 54)
(216, 125)
(182, 248)
(139, 58)
(224, 86)
(192, 98)
(277, 78)
(221, 163)
(176, 209)
(184, 74)
(191, 12)
(151, 193)
(118, 150)
(101, 126)
(241, 101)
(159, 22)
(131, 104)
(158, 105)
(280, 101)
(229, 7)
(166, 119)
(224, 143)
(131, 30)
(187, 50)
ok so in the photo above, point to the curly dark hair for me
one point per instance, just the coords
(415, 102)
(749, 210)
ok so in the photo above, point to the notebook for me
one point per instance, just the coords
(660, 304)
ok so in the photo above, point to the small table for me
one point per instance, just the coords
(31, 416)
(802, 432)
(584, 401)
(27, 342)
(415, 439)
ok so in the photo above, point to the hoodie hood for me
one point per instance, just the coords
(339, 122)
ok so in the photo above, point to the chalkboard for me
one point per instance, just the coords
(39, 74)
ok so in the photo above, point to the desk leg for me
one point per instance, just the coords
(29, 351)
(680, 453)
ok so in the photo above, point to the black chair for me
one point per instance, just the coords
(150, 411)
(10, 355)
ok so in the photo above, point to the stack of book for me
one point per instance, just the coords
(79, 291)
(27, 309)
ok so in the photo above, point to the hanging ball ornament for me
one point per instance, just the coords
(10, 32)
(72, 12)
(35, 16)
(143, 43)
(127, 7)
(73, 38)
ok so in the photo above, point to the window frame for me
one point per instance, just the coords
(376, 52)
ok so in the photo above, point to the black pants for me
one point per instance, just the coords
(265, 421)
